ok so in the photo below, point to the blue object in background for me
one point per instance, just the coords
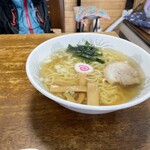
(22, 20)
(139, 19)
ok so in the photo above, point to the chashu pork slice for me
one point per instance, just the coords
(121, 72)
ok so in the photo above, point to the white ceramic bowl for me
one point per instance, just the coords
(48, 47)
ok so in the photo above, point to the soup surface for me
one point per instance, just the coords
(60, 76)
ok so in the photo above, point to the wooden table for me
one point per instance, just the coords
(30, 120)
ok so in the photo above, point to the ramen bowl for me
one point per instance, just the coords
(47, 48)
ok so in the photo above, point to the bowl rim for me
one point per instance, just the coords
(76, 105)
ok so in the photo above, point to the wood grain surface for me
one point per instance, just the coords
(113, 7)
(30, 120)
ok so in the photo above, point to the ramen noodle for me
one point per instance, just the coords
(58, 73)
